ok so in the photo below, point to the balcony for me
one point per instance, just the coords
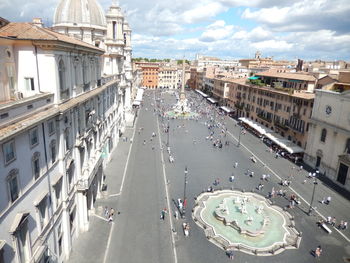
(239, 106)
(264, 118)
(281, 126)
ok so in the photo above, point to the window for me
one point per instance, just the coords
(8, 149)
(323, 135)
(29, 84)
(51, 127)
(33, 137)
(62, 80)
(347, 146)
(66, 139)
(58, 192)
(23, 243)
(36, 165)
(53, 151)
(42, 211)
(72, 220)
(12, 182)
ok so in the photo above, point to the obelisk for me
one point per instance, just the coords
(182, 92)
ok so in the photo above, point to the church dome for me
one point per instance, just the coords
(80, 13)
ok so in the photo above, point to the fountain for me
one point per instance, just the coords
(181, 108)
(245, 221)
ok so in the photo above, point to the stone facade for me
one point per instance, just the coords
(328, 148)
(60, 120)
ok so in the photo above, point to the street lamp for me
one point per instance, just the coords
(313, 195)
(167, 142)
(184, 200)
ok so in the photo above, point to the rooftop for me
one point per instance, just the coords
(29, 31)
(287, 75)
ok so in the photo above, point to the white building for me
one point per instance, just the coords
(86, 21)
(59, 121)
(328, 146)
(169, 78)
(205, 61)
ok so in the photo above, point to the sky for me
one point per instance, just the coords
(228, 29)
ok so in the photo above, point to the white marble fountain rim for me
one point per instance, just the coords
(274, 207)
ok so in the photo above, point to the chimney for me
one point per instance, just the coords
(38, 22)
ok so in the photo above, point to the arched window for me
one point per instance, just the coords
(347, 146)
(323, 135)
(36, 165)
(62, 76)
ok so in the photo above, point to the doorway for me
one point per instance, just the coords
(342, 173)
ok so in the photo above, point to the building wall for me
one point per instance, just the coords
(285, 113)
(88, 121)
(150, 77)
(331, 113)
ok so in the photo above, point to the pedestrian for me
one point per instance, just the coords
(328, 200)
(232, 178)
(176, 214)
(236, 165)
(106, 212)
(318, 252)
(334, 221)
(111, 215)
(231, 254)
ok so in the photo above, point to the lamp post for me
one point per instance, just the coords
(184, 200)
(167, 142)
(313, 195)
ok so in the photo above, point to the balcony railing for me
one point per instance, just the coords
(264, 118)
(281, 126)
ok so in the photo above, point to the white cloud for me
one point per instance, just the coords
(306, 15)
(273, 45)
(216, 31)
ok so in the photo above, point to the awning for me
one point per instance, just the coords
(212, 100)
(136, 103)
(256, 126)
(227, 109)
(284, 143)
(201, 93)
(19, 219)
(253, 78)
(139, 94)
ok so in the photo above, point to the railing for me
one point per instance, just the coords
(281, 126)
(264, 118)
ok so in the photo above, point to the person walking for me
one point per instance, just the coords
(111, 215)
(318, 252)
(236, 165)
(106, 212)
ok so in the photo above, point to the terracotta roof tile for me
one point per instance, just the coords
(29, 31)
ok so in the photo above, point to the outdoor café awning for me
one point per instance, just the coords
(211, 100)
(201, 93)
(226, 109)
(136, 103)
(256, 126)
(139, 94)
(284, 143)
